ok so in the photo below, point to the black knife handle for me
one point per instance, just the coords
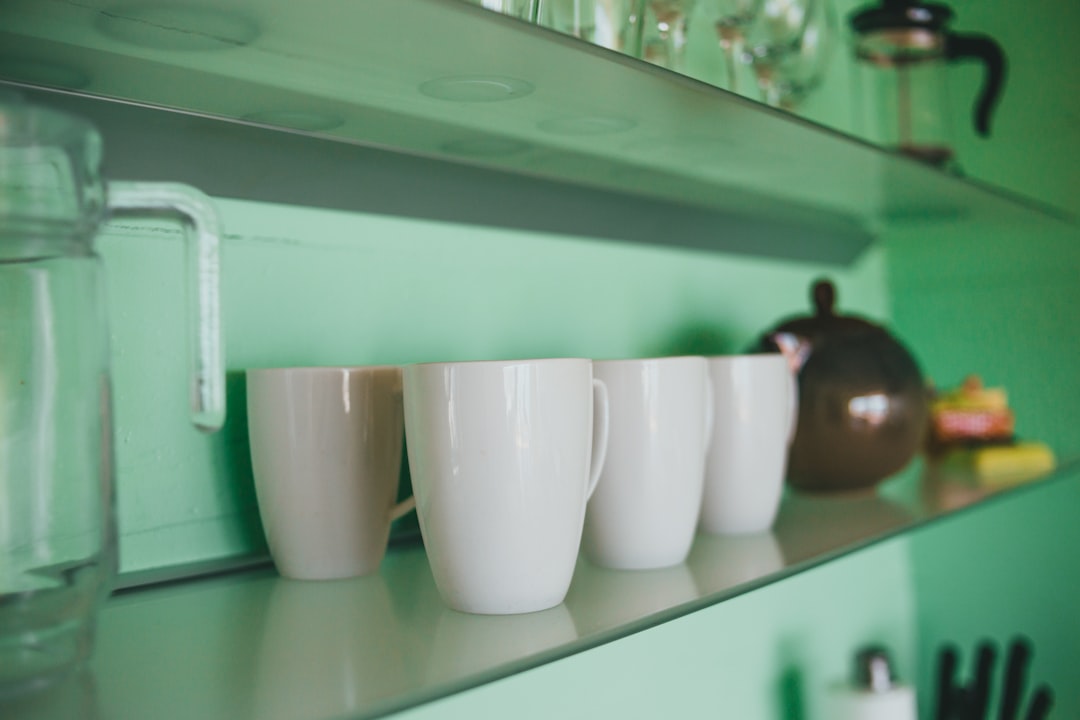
(948, 659)
(1015, 677)
(1040, 704)
(980, 691)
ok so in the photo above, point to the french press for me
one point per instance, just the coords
(57, 528)
(903, 49)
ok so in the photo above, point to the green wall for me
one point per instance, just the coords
(1004, 304)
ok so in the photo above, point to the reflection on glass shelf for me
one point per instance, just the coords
(73, 696)
(813, 525)
(339, 75)
(254, 645)
(466, 646)
(310, 627)
(720, 563)
(601, 599)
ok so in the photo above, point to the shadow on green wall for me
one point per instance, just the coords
(232, 458)
(791, 688)
(694, 338)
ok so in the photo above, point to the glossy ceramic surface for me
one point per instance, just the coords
(755, 410)
(326, 452)
(645, 509)
(503, 461)
(863, 403)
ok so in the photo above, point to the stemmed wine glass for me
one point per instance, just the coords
(524, 9)
(789, 47)
(661, 31)
(600, 22)
(731, 19)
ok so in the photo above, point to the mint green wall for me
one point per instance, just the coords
(305, 286)
(1005, 305)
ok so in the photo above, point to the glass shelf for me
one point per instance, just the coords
(250, 644)
(449, 80)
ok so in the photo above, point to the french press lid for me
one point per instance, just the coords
(901, 14)
(900, 33)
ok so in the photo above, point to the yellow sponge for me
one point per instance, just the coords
(1004, 465)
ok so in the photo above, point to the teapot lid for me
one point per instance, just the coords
(825, 320)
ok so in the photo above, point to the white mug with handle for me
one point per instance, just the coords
(504, 456)
(646, 510)
(756, 412)
(326, 453)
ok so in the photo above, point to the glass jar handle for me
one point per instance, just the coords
(205, 346)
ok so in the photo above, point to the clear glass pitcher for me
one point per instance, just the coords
(57, 529)
(904, 49)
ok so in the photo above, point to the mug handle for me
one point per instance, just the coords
(407, 505)
(600, 399)
(403, 508)
(205, 344)
(793, 405)
(710, 410)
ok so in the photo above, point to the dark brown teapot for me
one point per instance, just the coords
(863, 405)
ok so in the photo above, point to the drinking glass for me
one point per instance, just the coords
(600, 22)
(731, 18)
(524, 9)
(789, 47)
(661, 34)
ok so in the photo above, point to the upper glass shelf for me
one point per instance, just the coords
(446, 79)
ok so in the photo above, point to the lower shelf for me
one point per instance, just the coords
(375, 645)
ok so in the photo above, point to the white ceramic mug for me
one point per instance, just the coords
(504, 457)
(756, 410)
(326, 453)
(645, 510)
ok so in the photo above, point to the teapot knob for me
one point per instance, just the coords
(824, 297)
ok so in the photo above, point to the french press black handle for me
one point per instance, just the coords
(986, 49)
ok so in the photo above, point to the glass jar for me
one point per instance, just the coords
(58, 547)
